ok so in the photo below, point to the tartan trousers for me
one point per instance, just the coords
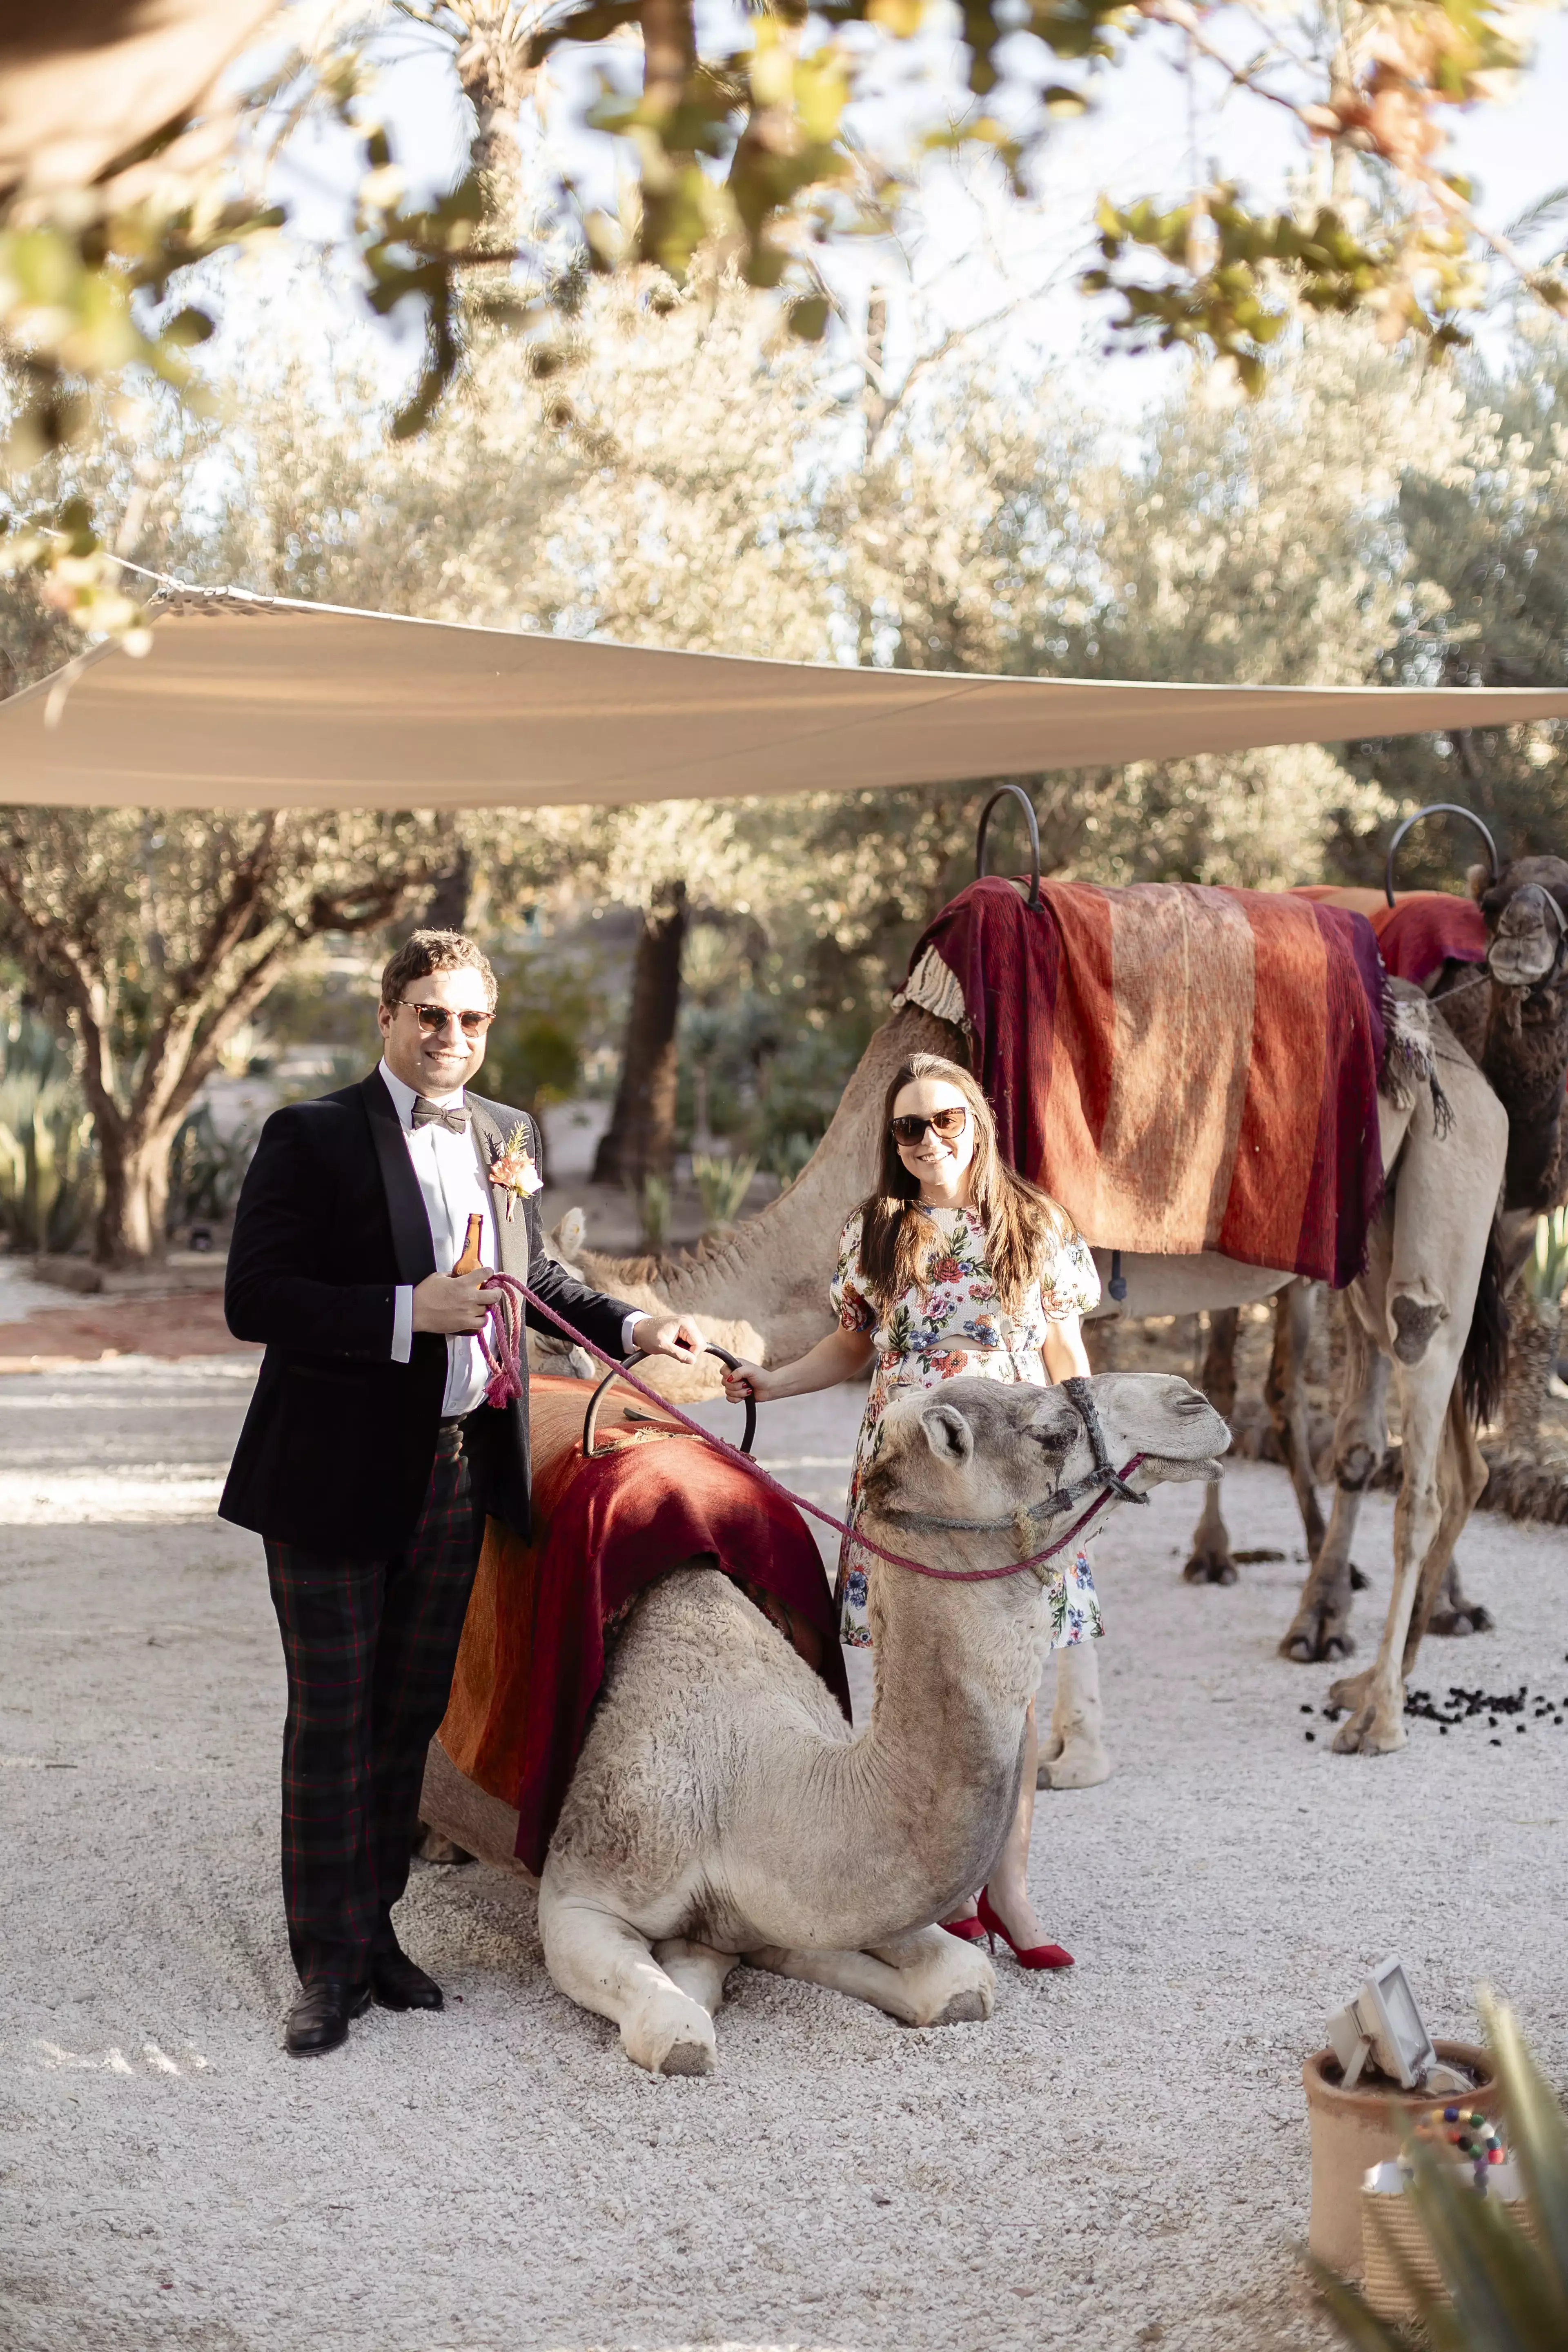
(370, 1647)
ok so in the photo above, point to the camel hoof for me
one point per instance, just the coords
(1210, 1568)
(686, 2058)
(969, 2008)
(1081, 1768)
(1455, 1623)
(1314, 1638)
(671, 2034)
(1364, 1736)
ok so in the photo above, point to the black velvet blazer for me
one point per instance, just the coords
(337, 1448)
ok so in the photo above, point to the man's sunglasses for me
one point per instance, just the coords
(433, 1019)
(947, 1125)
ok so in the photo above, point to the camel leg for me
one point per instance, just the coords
(697, 1969)
(1320, 1627)
(1209, 1561)
(1462, 1476)
(1446, 1190)
(926, 1977)
(1285, 1393)
(601, 1962)
(1074, 1754)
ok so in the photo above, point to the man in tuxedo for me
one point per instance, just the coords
(369, 1459)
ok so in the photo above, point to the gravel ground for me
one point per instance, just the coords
(1119, 2159)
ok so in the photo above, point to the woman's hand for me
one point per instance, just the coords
(838, 1358)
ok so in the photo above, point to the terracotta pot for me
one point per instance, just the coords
(1353, 2129)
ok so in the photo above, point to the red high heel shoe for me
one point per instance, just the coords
(968, 1931)
(1037, 1955)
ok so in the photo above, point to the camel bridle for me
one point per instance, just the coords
(1104, 1482)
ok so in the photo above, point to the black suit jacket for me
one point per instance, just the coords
(337, 1448)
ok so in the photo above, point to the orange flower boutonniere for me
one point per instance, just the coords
(512, 1172)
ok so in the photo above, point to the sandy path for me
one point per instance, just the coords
(1117, 2160)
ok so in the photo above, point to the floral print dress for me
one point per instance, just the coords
(957, 1328)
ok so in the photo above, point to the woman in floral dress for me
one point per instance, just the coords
(954, 1267)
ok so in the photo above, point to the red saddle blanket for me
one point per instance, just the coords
(533, 1649)
(1422, 931)
(1185, 1068)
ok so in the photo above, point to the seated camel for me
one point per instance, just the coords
(721, 1809)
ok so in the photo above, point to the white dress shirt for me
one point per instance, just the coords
(452, 1191)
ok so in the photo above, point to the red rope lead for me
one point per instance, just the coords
(506, 1382)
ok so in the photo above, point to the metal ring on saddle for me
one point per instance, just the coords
(1017, 792)
(591, 1418)
(1437, 808)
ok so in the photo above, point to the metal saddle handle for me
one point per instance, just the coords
(1437, 808)
(1016, 793)
(591, 1418)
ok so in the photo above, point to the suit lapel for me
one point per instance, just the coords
(511, 1235)
(413, 1251)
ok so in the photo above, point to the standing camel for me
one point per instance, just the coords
(1414, 1306)
(722, 1809)
(1511, 1017)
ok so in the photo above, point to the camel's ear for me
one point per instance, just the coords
(567, 1237)
(948, 1434)
(1479, 879)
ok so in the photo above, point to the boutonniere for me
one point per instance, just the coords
(512, 1170)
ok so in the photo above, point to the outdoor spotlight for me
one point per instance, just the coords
(1383, 2023)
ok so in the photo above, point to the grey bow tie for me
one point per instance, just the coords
(454, 1117)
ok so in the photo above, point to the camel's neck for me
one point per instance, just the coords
(1525, 1060)
(774, 1271)
(931, 1785)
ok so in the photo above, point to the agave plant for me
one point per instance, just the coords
(723, 1185)
(1546, 1269)
(656, 1205)
(1506, 2285)
(48, 1175)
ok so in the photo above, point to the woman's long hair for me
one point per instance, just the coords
(898, 1246)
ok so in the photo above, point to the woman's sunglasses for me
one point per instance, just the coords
(433, 1019)
(947, 1125)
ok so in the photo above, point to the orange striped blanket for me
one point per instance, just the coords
(1185, 1068)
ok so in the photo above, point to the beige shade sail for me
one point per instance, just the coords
(247, 702)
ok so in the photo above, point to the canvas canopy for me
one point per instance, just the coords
(249, 702)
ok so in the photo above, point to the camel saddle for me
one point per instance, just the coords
(1421, 932)
(1183, 1068)
(543, 1615)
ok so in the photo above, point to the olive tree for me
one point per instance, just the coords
(153, 937)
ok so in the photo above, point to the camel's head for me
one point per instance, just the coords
(1526, 910)
(979, 1451)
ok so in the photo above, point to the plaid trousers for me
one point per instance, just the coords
(370, 1647)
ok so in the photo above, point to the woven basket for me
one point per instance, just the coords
(1391, 2227)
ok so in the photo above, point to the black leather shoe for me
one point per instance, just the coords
(320, 2018)
(397, 1983)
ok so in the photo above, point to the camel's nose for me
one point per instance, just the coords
(1529, 933)
(1192, 1405)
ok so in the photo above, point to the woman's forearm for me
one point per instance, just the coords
(1065, 1356)
(838, 1358)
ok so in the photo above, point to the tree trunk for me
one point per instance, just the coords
(131, 1222)
(448, 905)
(640, 1139)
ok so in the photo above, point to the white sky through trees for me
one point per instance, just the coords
(975, 253)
